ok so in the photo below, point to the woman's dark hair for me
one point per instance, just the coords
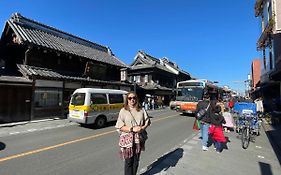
(218, 109)
(206, 95)
(137, 105)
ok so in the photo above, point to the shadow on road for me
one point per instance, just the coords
(186, 114)
(265, 168)
(272, 135)
(165, 162)
(2, 146)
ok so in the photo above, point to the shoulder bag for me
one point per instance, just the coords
(143, 135)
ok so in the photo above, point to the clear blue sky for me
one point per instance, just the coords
(210, 39)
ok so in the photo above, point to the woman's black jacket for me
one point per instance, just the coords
(203, 105)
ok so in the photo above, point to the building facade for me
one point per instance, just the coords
(256, 73)
(40, 67)
(154, 77)
(269, 43)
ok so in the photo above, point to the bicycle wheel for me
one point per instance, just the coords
(245, 137)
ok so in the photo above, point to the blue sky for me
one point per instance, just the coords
(210, 39)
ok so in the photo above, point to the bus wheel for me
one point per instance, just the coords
(100, 122)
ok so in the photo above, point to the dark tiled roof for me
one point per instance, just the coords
(32, 32)
(175, 66)
(165, 60)
(29, 71)
(143, 66)
(156, 60)
(149, 62)
(15, 79)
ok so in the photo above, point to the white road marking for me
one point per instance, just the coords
(13, 133)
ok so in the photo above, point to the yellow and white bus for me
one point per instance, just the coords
(96, 106)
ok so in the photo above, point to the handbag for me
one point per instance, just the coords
(202, 112)
(196, 125)
(126, 140)
(143, 136)
(129, 144)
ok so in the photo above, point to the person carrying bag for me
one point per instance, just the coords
(203, 113)
(131, 124)
(143, 134)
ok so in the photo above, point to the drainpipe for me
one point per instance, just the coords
(63, 107)
(32, 107)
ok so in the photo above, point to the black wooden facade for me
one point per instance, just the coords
(47, 65)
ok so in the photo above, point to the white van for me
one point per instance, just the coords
(96, 106)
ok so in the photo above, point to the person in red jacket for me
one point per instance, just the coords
(216, 129)
(231, 104)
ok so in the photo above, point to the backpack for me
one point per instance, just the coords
(202, 112)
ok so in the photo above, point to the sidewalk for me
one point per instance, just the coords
(259, 159)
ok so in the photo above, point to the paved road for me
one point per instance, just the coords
(60, 147)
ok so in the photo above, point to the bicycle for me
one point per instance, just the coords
(250, 129)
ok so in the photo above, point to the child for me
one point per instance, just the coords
(229, 122)
(215, 130)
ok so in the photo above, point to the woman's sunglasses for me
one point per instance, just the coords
(130, 98)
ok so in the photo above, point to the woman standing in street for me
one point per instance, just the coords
(131, 123)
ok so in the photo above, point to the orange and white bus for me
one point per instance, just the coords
(190, 92)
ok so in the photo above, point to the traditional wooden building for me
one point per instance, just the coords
(41, 66)
(269, 44)
(155, 77)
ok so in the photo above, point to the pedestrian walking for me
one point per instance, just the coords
(229, 121)
(131, 124)
(152, 103)
(231, 105)
(216, 130)
(259, 105)
(206, 106)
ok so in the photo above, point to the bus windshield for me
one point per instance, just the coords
(190, 94)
